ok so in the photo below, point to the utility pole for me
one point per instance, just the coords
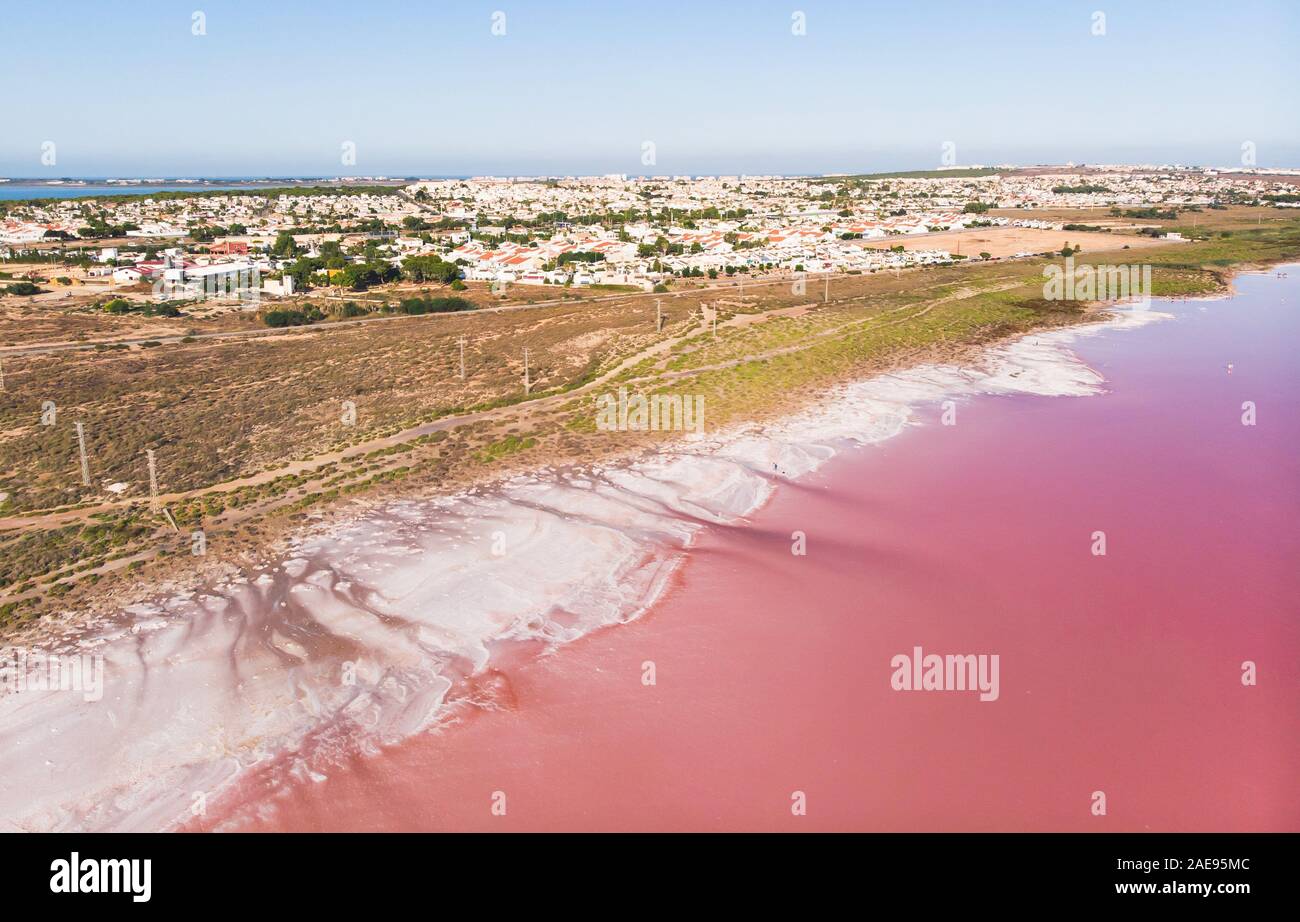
(81, 447)
(2, 376)
(528, 386)
(659, 322)
(462, 358)
(826, 296)
(153, 480)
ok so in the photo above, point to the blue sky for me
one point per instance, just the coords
(276, 88)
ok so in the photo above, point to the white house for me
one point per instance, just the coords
(282, 287)
(129, 275)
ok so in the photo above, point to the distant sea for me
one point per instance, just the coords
(23, 190)
(16, 189)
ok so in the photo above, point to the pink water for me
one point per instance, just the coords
(1118, 673)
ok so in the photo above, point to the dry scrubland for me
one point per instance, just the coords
(249, 435)
(1009, 241)
(1232, 217)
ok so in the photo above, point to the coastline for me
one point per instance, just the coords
(645, 543)
(755, 372)
(643, 534)
(275, 536)
(773, 669)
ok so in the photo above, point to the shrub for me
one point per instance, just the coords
(288, 317)
(350, 309)
(433, 305)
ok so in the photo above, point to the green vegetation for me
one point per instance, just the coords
(29, 554)
(433, 305)
(97, 226)
(283, 246)
(1149, 214)
(360, 276)
(429, 269)
(121, 306)
(204, 233)
(508, 446)
(290, 317)
(578, 256)
(350, 309)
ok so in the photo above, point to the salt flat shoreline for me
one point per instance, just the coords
(242, 533)
(413, 594)
(50, 631)
(576, 540)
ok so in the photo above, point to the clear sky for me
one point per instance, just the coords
(276, 87)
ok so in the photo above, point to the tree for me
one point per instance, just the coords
(331, 255)
(580, 256)
(284, 245)
(301, 271)
(429, 269)
(359, 276)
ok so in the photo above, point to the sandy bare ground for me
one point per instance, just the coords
(1008, 241)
